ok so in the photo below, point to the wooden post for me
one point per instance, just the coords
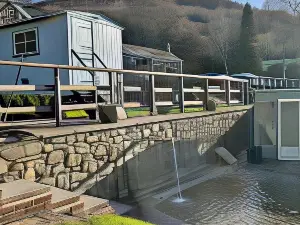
(118, 90)
(97, 108)
(181, 94)
(227, 92)
(243, 93)
(57, 94)
(206, 94)
(246, 93)
(122, 89)
(153, 109)
(112, 89)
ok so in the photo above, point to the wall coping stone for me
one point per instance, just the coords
(51, 131)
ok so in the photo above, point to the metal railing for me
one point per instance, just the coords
(57, 88)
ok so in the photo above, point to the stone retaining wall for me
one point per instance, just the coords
(76, 161)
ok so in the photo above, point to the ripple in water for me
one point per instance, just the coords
(247, 196)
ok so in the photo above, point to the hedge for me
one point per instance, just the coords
(19, 100)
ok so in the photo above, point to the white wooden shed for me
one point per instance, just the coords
(68, 38)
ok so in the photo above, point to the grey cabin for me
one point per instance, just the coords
(66, 37)
(136, 88)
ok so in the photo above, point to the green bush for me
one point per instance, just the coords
(15, 101)
(31, 100)
(46, 99)
(19, 100)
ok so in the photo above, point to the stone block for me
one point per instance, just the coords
(80, 137)
(48, 148)
(90, 166)
(76, 176)
(40, 168)
(48, 181)
(146, 133)
(55, 157)
(82, 148)
(58, 169)
(17, 167)
(63, 181)
(3, 166)
(71, 139)
(169, 133)
(73, 160)
(121, 132)
(29, 174)
(30, 158)
(101, 150)
(92, 139)
(155, 127)
(58, 140)
(87, 157)
(118, 139)
(30, 164)
(60, 146)
(127, 144)
(21, 151)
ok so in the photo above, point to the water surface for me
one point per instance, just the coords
(265, 194)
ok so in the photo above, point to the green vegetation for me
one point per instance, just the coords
(19, 100)
(247, 56)
(75, 114)
(108, 220)
(145, 111)
(269, 63)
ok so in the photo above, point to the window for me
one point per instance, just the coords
(25, 42)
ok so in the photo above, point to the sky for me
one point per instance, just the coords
(256, 3)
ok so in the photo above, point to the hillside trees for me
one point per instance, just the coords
(223, 30)
(248, 58)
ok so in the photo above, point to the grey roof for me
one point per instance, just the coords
(149, 53)
(45, 16)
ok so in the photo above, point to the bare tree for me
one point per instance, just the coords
(223, 33)
(292, 6)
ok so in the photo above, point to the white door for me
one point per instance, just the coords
(82, 44)
(288, 129)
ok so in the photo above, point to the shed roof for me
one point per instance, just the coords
(149, 53)
(39, 15)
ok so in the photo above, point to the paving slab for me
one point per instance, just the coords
(62, 197)
(92, 204)
(20, 189)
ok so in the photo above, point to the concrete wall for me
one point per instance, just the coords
(128, 160)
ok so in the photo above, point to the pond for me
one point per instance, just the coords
(265, 194)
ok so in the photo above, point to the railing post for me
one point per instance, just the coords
(121, 86)
(243, 93)
(181, 94)
(57, 96)
(246, 93)
(206, 94)
(227, 92)
(153, 109)
(111, 88)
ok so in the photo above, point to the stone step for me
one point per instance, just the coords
(62, 198)
(93, 204)
(103, 211)
(26, 207)
(75, 208)
(21, 189)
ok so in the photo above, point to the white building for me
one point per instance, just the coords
(67, 38)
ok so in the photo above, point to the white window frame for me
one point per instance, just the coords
(36, 42)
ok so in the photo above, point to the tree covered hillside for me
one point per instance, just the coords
(195, 29)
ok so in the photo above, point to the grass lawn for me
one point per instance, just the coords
(145, 111)
(110, 219)
(267, 64)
